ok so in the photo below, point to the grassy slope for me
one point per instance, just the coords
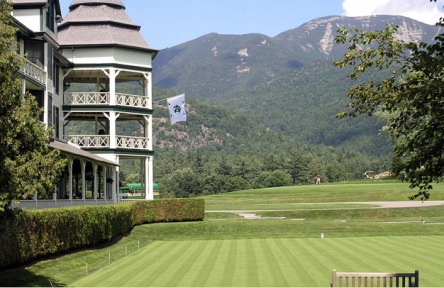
(289, 197)
(362, 226)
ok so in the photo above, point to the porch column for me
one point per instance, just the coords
(142, 178)
(148, 178)
(70, 164)
(112, 86)
(105, 190)
(148, 130)
(151, 177)
(113, 185)
(112, 117)
(83, 167)
(148, 89)
(94, 164)
(118, 178)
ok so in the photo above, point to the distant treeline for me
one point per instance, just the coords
(203, 172)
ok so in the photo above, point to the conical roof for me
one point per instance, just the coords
(100, 23)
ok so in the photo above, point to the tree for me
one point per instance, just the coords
(27, 163)
(412, 96)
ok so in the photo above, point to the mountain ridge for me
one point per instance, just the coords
(270, 77)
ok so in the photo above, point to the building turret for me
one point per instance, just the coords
(106, 48)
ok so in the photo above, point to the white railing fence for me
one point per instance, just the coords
(132, 142)
(104, 141)
(34, 71)
(103, 98)
(86, 98)
(89, 141)
(132, 100)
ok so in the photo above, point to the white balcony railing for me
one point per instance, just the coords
(87, 98)
(132, 100)
(132, 142)
(89, 141)
(103, 141)
(35, 72)
(103, 98)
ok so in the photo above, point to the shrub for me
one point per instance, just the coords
(30, 234)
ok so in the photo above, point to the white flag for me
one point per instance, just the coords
(176, 106)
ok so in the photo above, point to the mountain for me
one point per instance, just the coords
(287, 82)
(217, 64)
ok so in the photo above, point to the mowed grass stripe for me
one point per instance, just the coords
(208, 265)
(302, 258)
(128, 266)
(270, 262)
(272, 274)
(160, 273)
(182, 270)
(424, 251)
(286, 260)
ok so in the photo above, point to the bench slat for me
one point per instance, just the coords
(382, 279)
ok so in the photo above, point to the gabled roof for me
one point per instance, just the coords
(100, 23)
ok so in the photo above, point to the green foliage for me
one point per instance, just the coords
(27, 235)
(412, 96)
(27, 163)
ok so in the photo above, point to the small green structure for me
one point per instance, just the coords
(134, 191)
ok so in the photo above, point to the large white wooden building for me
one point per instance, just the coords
(95, 49)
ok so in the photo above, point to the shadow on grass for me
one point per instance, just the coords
(21, 277)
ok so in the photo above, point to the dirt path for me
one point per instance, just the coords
(382, 204)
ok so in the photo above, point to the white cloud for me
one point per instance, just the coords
(421, 10)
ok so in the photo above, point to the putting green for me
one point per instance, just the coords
(271, 262)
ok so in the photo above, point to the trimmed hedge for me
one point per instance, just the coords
(30, 234)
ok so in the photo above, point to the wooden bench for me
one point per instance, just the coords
(345, 279)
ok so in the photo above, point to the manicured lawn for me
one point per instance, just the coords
(228, 250)
(288, 197)
(277, 262)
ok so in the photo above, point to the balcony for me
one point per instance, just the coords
(103, 98)
(104, 141)
(33, 73)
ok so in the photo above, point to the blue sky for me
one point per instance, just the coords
(166, 23)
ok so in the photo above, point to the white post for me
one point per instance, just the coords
(113, 185)
(142, 176)
(149, 178)
(117, 178)
(71, 162)
(95, 165)
(112, 128)
(112, 87)
(149, 131)
(105, 190)
(148, 89)
(83, 168)
(146, 179)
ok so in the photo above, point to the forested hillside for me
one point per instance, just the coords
(287, 82)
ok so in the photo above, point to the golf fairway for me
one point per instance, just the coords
(275, 262)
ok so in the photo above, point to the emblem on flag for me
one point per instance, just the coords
(176, 106)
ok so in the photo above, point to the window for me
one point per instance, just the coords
(49, 110)
(40, 98)
(34, 50)
(50, 15)
(50, 60)
(56, 121)
(56, 79)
